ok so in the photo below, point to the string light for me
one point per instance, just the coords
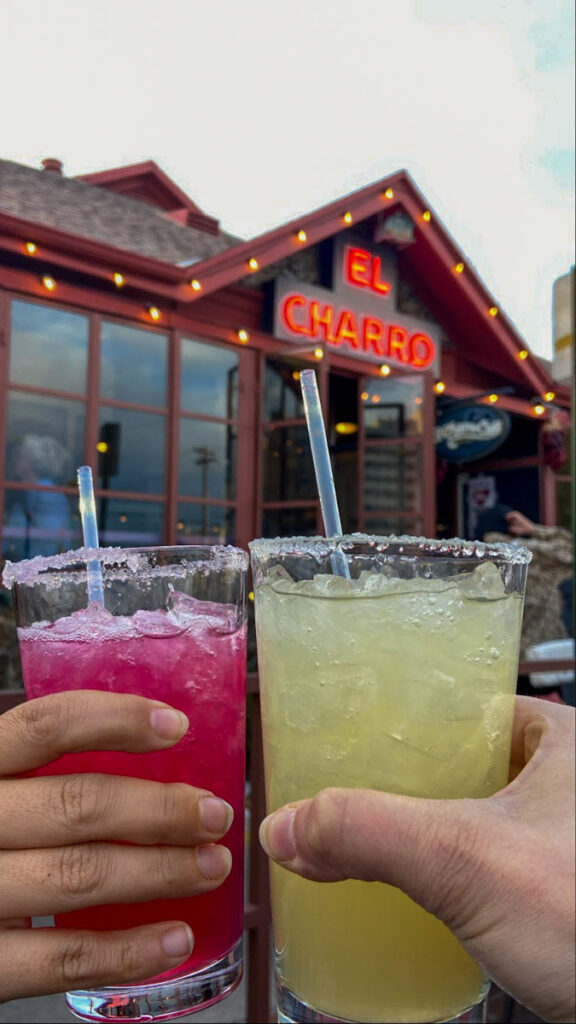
(123, 518)
(180, 525)
(49, 283)
(195, 285)
(492, 398)
(243, 335)
(318, 353)
(549, 396)
(385, 370)
(459, 268)
(439, 387)
(31, 248)
(427, 216)
(364, 396)
(375, 399)
(154, 312)
(253, 263)
(118, 279)
(493, 311)
(523, 353)
(418, 400)
(295, 374)
(539, 410)
(302, 236)
(102, 447)
(347, 218)
(389, 193)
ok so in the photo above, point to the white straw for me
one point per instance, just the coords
(90, 533)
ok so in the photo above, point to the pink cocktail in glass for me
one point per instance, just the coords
(191, 654)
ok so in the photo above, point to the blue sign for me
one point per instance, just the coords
(470, 432)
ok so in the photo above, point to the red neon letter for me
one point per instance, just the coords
(321, 317)
(346, 329)
(398, 343)
(376, 284)
(422, 350)
(372, 332)
(356, 267)
(286, 317)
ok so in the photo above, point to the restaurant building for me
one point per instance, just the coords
(140, 338)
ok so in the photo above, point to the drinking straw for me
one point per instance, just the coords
(323, 468)
(90, 533)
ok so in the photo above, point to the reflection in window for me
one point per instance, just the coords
(204, 524)
(135, 458)
(45, 439)
(385, 526)
(282, 395)
(207, 459)
(48, 347)
(393, 407)
(289, 522)
(133, 365)
(288, 470)
(392, 477)
(39, 523)
(130, 523)
(209, 379)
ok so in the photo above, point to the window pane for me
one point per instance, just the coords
(384, 526)
(393, 407)
(136, 451)
(204, 524)
(282, 395)
(39, 523)
(288, 468)
(209, 379)
(207, 459)
(130, 523)
(48, 347)
(45, 439)
(289, 522)
(392, 478)
(133, 365)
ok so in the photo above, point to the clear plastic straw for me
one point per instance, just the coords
(90, 533)
(323, 468)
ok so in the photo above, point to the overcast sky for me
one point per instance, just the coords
(265, 109)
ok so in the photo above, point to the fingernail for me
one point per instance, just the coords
(178, 942)
(168, 723)
(214, 861)
(216, 815)
(277, 835)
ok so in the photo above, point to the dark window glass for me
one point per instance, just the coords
(384, 526)
(204, 524)
(39, 523)
(288, 467)
(392, 477)
(209, 379)
(136, 451)
(282, 396)
(45, 439)
(207, 459)
(48, 347)
(10, 670)
(130, 523)
(393, 407)
(289, 522)
(133, 365)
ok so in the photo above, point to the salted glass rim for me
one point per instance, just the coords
(397, 545)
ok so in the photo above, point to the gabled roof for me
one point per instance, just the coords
(460, 300)
(106, 216)
(149, 183)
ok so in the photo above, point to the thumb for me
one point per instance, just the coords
(431, 849)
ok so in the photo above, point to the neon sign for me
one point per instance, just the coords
(302, 316)
(362, 270)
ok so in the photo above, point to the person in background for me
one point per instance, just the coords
(551, 566)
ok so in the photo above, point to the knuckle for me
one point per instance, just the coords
(455, 866)
(81, 871)
(43, 720)
(80, 800)
(326, 822)
(170, 801)
(76, 961)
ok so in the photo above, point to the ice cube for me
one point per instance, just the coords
(484, 584)
(186, 612)
(156, 624)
